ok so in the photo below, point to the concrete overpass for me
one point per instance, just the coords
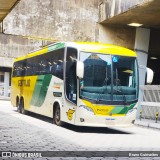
(6, 6)
(118, 12)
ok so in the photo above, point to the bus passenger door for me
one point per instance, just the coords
(71, 84)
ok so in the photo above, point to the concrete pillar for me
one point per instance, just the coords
(6, 84)
(141, 47)
(0, 27)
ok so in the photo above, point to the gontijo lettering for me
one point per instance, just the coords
(24, 82)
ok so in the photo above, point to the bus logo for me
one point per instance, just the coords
(25, 83)
(70, 114)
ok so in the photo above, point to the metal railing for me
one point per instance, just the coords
(150, 104)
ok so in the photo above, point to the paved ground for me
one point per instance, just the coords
(37, 133)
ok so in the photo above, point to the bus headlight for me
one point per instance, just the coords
(87, 108)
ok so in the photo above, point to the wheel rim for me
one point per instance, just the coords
(57, 115)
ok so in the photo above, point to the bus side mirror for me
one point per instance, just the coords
(80, 69)
(149, 76)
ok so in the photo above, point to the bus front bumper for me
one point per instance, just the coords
(86, 118)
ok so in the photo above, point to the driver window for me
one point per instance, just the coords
(71, 80)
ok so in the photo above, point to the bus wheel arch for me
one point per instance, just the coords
(57, 114)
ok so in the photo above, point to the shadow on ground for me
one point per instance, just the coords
(80, 129)
(101, 130)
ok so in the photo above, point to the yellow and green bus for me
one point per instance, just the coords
(81, 83)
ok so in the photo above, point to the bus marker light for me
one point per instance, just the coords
(82, 119)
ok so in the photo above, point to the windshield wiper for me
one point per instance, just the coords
(105, 82)
(117, 81)
(120, 90)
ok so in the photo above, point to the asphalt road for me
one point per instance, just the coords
(32, 132)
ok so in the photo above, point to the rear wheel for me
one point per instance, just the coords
(22, 110)
(17, 105)
(57, 116)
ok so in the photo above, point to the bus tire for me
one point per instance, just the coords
(23, 111)
(18, 105)
(19, 109)
(57, 116)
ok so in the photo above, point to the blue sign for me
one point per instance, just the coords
(115, 59)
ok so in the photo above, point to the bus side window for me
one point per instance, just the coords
(19, 69)
(70, 75)
(15, 69)
(55, 62)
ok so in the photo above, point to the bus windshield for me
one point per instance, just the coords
(109, 78)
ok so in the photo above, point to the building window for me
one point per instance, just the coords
(1, 77)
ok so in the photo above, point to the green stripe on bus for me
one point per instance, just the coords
(117, 110)
(40, 90)
(56, 46)
(122, 109)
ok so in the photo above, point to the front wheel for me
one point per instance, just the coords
(57, 116)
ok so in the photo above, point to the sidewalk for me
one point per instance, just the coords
(147, 123)
(5, 98)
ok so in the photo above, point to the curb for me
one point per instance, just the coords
(149, 124)
(5, 98)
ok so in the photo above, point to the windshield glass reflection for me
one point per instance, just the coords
(109, 78)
